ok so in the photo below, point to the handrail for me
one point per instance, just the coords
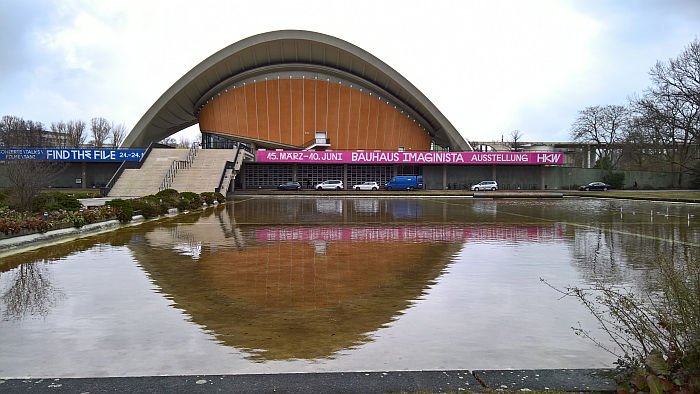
(226, 167)
(110, 184)
(178, 164)
(191, 154)
(170, 175)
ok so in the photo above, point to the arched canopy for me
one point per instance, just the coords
(178, 107)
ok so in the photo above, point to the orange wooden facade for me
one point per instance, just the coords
(290, 111)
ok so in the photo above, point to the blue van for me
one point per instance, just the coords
(404, 182)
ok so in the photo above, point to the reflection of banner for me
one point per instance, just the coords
(427, 233)
(71, 154)
(376, 157)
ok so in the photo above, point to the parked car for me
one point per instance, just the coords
(366, 186)
(485, 185)
(404, 182)
(332, 184)
(290, 186)
(595, 186)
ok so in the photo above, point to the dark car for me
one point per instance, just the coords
(595, 186)
(290, 186)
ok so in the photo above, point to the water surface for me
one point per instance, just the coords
(332, 284)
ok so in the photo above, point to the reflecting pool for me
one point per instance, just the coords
(333, 284)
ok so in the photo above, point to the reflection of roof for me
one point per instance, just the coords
(282, 50)
(285, 301)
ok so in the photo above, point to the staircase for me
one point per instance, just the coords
(147, 179)
(232, 170)
(204, 175)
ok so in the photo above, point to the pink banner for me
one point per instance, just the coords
(420, 233)
(377, 157)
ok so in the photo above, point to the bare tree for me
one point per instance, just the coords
(17, 132)
(170, 141)
(100, 132)
(668, 115)
(76, 133)
(184, 142)
(60, 134)
(31, 293)
(516, 140)
(604, 127)
(27, 178)
(118, 133)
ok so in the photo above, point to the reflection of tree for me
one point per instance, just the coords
(31, 292)
(629, 252)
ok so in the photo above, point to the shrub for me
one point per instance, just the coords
(210, 197)
(189, 201)
(656, 337)
(168, 193)
(55, 201)
(148, 207)
(615, 179)
(15, 225)
(123, 209)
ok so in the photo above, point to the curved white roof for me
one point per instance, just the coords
(283, 50)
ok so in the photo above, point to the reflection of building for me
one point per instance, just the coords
(287, 300)
(309, 290)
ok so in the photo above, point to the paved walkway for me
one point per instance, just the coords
(571, 380)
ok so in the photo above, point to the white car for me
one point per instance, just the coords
(330, 185)
(485, 185)
(367, 186)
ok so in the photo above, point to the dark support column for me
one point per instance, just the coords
(542, 177)
(294, 172)
(444, 177)
(493, 172)
(84, 172)
(345, 177)
(242, 175)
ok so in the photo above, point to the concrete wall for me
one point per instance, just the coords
(535, 177)
(97, 174)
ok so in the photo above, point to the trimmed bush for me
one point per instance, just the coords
(124, 210)
(168, 193)
(209, 197)
(55, 201)
(148, 207)
(189, 201)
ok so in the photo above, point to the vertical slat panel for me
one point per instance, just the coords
(250, 115)
(273, 109)
(321, 105)
(333, 107)
(229, 111)
(285, 110)
(341, 141)
(354, 118)
(309, 110)
(297, 112)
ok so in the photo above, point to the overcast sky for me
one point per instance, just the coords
(490, 66)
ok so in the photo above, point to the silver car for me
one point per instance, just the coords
(332, 184)
(485, 185)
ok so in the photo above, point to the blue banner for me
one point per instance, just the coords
(71, 154)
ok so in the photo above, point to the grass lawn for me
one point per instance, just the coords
(665, 195)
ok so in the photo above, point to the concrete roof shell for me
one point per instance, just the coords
(177, 108)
